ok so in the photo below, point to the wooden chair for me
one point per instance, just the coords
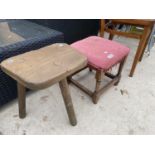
(143, 37)
(102, 55)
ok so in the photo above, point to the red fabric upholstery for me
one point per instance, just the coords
(101, 53)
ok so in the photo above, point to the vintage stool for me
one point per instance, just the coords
(42, 68)
(102, 55)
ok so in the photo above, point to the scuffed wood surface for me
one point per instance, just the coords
(41, 68)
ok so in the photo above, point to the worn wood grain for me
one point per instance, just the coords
(68, 101)
(21, 100)
(42, 68)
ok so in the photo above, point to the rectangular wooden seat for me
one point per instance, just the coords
(41, 68)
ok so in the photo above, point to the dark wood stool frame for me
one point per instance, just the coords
(99, 76)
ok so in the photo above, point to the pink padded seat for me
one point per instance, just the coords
(101, 53)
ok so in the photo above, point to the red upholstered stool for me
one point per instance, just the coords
(102, 55)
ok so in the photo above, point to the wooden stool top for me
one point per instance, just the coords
(41, 68)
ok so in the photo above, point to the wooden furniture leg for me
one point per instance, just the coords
(95, 96)
(143, 51)
(90, 69)
(99, 76)
(21, 100)
(68, 101)
(111, 36)
(120, 71)
(146, 42)
(102, 28)
(140, 49)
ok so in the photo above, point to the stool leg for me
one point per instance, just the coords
(68, 101)
(95, 96)
(21, 100)
(111, 36)
(120, 71)
(90, 69)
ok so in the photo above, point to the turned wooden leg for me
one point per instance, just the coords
(21, 100)
(111, 36)
(95, 96)
(90, 69)
(68, 101)
(120, 71)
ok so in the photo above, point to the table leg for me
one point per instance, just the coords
(21, 100)
(139, 50)
(68, 101)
